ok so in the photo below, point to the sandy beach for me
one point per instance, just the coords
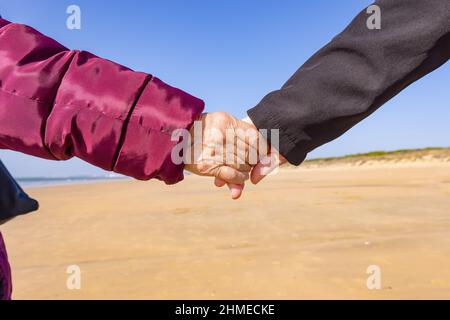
(303, 233)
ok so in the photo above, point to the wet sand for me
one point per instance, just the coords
(301, 234)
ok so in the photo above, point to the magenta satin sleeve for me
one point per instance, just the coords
(5, 273)
(56, 104)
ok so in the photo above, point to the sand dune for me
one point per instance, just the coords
(399, 158)
(303, 233)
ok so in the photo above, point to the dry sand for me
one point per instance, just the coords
(303, 233)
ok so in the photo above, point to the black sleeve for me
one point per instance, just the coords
(356, 73)
(13, 200)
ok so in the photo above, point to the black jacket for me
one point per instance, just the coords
(356, 73)
(13, 201)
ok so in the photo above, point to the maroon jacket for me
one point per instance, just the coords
(57, 103)
(5, 273)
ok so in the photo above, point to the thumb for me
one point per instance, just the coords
(265, 166)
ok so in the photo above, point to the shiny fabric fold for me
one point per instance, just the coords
(160, 110)
(31, 69)
(90, 110)
(56, 104)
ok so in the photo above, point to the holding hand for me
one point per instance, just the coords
(268, 161)
(230, 150)
(224, 147)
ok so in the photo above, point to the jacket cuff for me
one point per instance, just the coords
(263, 118)
(147, 145)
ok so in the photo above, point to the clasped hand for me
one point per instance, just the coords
(230, 150)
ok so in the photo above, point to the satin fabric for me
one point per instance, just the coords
(5, 273)
(57, 103)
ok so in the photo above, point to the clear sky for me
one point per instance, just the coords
(230, 53)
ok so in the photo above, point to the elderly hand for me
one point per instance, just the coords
(224, 147)
(269, 160)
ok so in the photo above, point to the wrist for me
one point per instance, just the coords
(248, 120)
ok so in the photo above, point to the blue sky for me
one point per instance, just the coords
(230, 53)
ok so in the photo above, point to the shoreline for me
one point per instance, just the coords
(48, 182)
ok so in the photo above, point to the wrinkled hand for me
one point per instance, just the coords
(223, 147)
(267, 164)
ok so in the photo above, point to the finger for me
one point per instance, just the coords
(219, 182)
(236, 190)
(265, 167)
(243, 167)
(247, 143)
(231, 175)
